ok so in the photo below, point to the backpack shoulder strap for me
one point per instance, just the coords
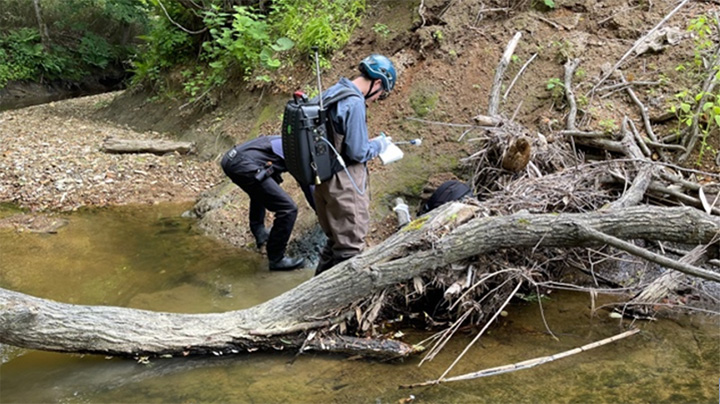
(341, 95)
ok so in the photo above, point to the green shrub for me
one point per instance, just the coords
(243, 40)
(557, 89)
(83, 36)
(707, 120)
(95, 50)
(686, 105)
(22, 55)
(165, 47)
(326, 24)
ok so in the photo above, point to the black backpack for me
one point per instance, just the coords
(449, 191)
(307, 134)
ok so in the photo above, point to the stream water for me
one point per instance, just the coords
(151, 258)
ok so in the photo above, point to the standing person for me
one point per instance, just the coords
(342, 201)
(256, 167)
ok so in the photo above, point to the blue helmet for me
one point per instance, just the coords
(378, 67)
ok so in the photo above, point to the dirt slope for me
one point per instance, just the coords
(447, 65)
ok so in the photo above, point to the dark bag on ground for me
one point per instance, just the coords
(307, 133)
(447, 192)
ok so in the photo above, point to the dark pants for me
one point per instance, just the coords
(268, 194)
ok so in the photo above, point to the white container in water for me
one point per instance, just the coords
(402, 211)
(391, 154)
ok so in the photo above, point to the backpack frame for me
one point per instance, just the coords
(307, 134)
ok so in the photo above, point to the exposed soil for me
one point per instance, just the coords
(446, 54)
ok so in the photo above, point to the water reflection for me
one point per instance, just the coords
(145, 258)
(150, 258)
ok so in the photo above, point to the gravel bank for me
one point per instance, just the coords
(50, 159)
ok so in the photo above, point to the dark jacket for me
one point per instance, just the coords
(256, 155)
(263, 153)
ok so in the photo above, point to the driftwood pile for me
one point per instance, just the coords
(515, 172)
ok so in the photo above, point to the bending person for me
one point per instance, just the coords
(256, 167)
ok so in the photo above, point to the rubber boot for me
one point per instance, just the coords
(262, 237)
(286, 264)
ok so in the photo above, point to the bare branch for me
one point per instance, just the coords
(570, 67)
(650, 256)
(525, 364)
(522, 69)
(178, 25)
(494, 103)
(643, 113)
(637, 43)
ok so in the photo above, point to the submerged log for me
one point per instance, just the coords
(446, 235)
(154, 146)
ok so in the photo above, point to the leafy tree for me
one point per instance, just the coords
(83, 36)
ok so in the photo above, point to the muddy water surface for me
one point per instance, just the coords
(150, 258)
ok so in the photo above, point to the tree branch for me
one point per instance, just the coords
(570, 67)
(494, 104)
(637, 43)
(651, 256)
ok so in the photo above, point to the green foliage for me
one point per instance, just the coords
(326, 24)
(165, 46)
(608, 125)
(580, 73)
(20, 54)
(687, 103)
(246, 42)
(702, 30)
(381, 29)
(23, 57)
(582, 101)
(246, 45)
(707, 118)
(95, 50)
(543, 5)
(556, 88)
(563, 50)
(243, 40)
(83, 36)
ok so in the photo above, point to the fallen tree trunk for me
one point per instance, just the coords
(448, 235)
(156, 146)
